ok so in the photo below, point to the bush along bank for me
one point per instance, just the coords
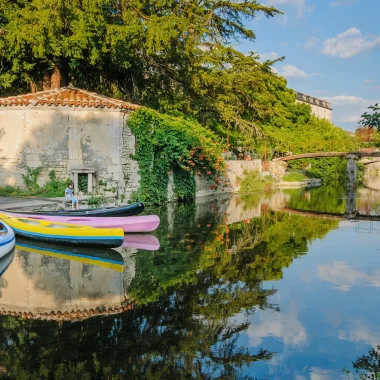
(168, 145)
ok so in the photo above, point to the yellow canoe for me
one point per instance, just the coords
(65, 233)
(103, 257)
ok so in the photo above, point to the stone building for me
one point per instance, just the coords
(319, 108)
(71, 131)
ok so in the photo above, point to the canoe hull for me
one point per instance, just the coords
(128, 210)
(104, 242)
(64, 233)
(7, 241)
(130, 224)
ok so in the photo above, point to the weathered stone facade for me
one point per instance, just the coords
(90, 133)
(319, 108)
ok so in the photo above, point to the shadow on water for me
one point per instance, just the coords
(192, 298)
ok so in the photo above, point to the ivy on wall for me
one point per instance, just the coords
(173, 145)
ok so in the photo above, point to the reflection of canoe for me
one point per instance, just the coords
(72, 234)
(107, 258)
(146, 223)
(128, 210)
(147, 242)
(7, 239)
(6, 261)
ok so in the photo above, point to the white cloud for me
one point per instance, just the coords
(283, 326)
(344, 276)
(300, 5)
(360, 332)
(291, 71)
(311, 42)
(347, 110)
(268, 56)
(368, 81)
(349, 43)
(317, 373)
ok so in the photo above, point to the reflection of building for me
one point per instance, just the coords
(319, 108)
(44, 287)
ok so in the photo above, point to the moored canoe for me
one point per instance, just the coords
(7, 239)
(127, 210)
(71, 234)
(130, 224)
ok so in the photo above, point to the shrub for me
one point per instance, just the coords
(253, 181)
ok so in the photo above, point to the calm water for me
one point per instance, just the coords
(256, 287)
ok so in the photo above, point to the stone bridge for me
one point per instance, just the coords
(352, 158)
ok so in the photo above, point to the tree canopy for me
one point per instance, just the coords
(372, 120)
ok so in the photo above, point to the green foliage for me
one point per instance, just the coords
(372, 120)
(253, 181)
(83, 183)
(184, 185)
(8, 191)
(30, 178)
(308, 134)
(368, 366)
(322, 199)
(54, 187)
(96, 200)
(294, 177)
(332, 170)
(167, 143)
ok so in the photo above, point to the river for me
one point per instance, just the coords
(266, 286)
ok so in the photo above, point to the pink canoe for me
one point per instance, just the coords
(129, 224)
(147, 242)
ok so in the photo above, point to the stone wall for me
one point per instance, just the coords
(63, 139)
(277, 168)
(130, 168)
(231, 183)
(235, 171)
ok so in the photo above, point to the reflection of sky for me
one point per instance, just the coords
(329, 310)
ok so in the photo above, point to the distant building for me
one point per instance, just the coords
(319, 108)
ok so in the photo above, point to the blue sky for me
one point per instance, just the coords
(332, 50)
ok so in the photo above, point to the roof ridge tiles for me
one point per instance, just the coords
(67, 96)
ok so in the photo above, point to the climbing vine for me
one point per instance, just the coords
(173, 145)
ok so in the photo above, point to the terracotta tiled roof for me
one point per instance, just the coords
(67, 97)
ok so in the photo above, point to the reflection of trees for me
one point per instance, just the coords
(187, 294)
(368, 366)
(320, 199)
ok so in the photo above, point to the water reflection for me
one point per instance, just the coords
(228, 288)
